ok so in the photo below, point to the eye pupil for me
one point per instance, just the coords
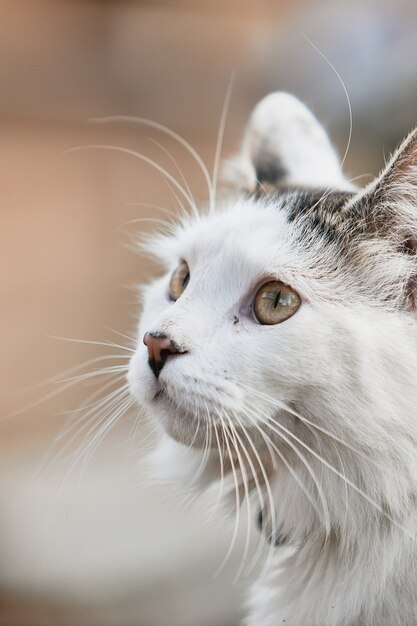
(277, 297)
(186, 279)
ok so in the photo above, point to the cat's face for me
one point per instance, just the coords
(237, 333)
(277, 304)
(227, 354)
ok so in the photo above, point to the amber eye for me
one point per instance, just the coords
(275, 303)
(179, 280)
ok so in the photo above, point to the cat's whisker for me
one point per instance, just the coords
(259, 490)
(106, 344)
(342, 466)
(349, 139)
(265, 191)
(103, 371)
(281, 405)
(326, 513)
(92, 403)
(237, 444)
(343, 477)
(133, 431)
(237, 496)
(107, 403)
(222, 469)
(85, 452)
(272, 513)
(94, 399)
(150, 425)
(177, 167)
(323, 56)
(325, 463)
(196, 432)
(97, 418)
(44, 383)
(61, 389)
(219, 144)
(105, 428)
(183, 213)
(151, 220)
(170, 133)
(133, 340)
(55, 453)
(147, 205)
(143, 158)
(89, 425)
(206, 450)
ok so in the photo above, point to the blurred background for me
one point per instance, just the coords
(90, 541)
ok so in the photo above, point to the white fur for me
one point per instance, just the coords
(332, 389)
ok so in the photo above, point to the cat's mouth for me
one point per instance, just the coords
(194, 399)
(158, 394)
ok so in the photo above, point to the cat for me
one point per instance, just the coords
(280, 347)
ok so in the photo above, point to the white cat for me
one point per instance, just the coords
(281, 347)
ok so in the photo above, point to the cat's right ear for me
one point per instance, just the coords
(285, 146)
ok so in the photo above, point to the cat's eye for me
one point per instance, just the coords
(179, 281)
(275, 302)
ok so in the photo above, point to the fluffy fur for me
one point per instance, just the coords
(314, 417)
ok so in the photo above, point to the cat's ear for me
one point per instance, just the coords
(393, 194)
(284, 145)
(384, 215)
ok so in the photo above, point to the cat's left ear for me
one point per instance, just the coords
(384, 217)
(393, 194)
(285, 146)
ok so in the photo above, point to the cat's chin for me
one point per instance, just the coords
(181, 423)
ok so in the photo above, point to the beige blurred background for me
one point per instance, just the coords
(96, 543)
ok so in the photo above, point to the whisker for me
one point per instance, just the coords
(106, 403)
(60, 390)
(344, 89)
(143, 158)
(87, 450)
(236, 440)
(203, 461)
(326, 464)
(94, 399)
(345, 479)
(222, 469)
(146, 205)
(117, 332)
(105, 428)
(179, 170)
(219, 144)
(103, 371)
(327, 524)
(281, 405)
(52, 453)
(259, 490)
(107, 344)
(236, 485)
(151, 220)
(166, 131)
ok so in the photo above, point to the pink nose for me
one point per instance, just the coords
(159, 346)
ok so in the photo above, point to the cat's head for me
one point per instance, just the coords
(287, 313)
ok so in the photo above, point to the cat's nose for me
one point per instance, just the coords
(160, 347)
